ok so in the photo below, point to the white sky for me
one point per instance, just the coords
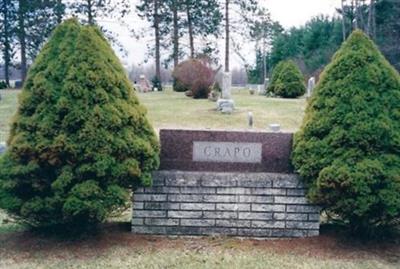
(297, 12)
(288, 12)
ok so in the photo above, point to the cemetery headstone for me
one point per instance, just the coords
(275, 127)
(226, 85)
(225, 103)
(225, 183)
(265, 87)
(310, 86)
(2, 148)
(144, 84)
(250, 119)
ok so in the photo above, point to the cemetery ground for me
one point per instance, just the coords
(170, 109)
(115, 247)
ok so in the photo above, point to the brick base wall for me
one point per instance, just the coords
(201, 203)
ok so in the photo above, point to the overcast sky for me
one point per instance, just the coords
(288, 12)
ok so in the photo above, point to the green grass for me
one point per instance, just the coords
(169, 109)
(8, 106)
(174, 110)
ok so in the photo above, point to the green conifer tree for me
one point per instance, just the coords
(80, 139)
(275, 74)
(290, 81)
(287, 81)
(348, 149)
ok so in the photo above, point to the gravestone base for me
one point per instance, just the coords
(225, 105)
(262, 205)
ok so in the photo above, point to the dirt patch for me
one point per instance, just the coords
(331, 244)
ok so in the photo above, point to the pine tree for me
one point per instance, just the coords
(274, 77)
(34, 21)
(80, 138)
(348, 149)
(287, 80)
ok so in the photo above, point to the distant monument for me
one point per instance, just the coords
(310, 87)
(266, 84)
(225, 104)
(144, 84)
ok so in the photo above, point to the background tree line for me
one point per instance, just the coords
(189, 29)
(25, 25)
(312, 45)
(181, 28)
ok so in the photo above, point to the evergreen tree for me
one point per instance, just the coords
(95, 9)
(245, 9)
(287, 81)
(80, 138)
(348, 149)
(34, 20)
(311, 45)
(274, 77)
(152, 11)
(203, 18)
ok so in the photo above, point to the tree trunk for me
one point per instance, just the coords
(157, 37)
(360, 14)
(357, 14)
(90, 12)
(176, 34)
(227, 35)
(22, 37)
(59, 11)
(371, 19)
(373, 29)
(190, 25)
(354, 5)
(7, 46)
(343, 21)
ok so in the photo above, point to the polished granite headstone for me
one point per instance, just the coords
(225, 151)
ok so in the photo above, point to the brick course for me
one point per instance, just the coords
(237, 204)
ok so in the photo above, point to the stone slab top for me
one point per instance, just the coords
(225, 151)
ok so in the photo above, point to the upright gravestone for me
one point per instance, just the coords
(144, 84)
(266, 84)
(310, 87)
(226, 104)
(2, 148)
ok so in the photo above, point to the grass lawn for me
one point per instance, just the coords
(174, 110)
(116, 247)
(8, 106)
(169, 109)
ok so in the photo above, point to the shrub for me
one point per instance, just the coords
(80, 138)
(348, 149)
(275, 74)
(289, 81)
(3, 85)
(194, 75)
(178, 86)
